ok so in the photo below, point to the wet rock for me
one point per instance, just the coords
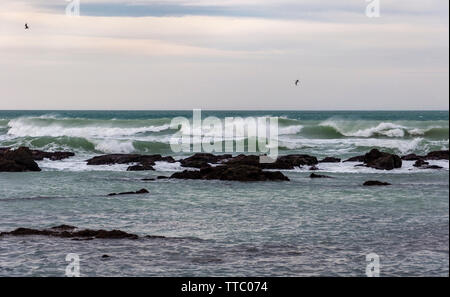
(381, 160)
(53, 156)
(432, 167)
(375, 183)
(283, 162)
(421, 163)
(105, 256)
(201, 160)
(412, 157)
(330, 160)
(437, 155)
(64, 228)
(18, 160)
(72, 233)
(313, 168)
(141, 191)
(111, 159)
(314, 175)
(162, 177)
(234, 172)
(140, 167)
(355, 159)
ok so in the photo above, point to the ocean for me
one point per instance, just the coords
(303, 227)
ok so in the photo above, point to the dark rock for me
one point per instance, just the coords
(18, 160)
(105, 256)
(375, 183)
(356, 159)
(437, 155)
(234, 172)
(381, 160)
(330, 160)
(141, 191)
(283, 162)
(161, 177)
(420, 163)
(54, 156)
(313, 168)
(313, 175)
(72, 232)
(412, 157)
(64, 228)
(201, 160)
(432, 167)
(140, 167)
(127, 159)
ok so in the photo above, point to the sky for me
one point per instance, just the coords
(224, 54)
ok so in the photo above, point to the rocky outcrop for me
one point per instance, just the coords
(412, 157)
(330, 160)
(201, 160)
(111, 159)
(141, 191)
(41, 155)
(65, 231)
(282, 162)
(18, 160)
(437, 155)
(381, 160)
(53, 156)
(375, 183)
(235, 172)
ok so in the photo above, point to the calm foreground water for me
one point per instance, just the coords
(304, 227)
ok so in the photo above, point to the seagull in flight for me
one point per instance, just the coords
(297, 82)
(26, 26)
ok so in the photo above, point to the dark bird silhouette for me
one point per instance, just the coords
(26, 26)
(297, 82)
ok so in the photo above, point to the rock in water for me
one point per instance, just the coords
(232, 172)
(383, 161)
(18, 160)
(314, 175)
(375, 183)
(141, 191)
(330, 160)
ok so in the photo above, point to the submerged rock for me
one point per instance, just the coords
(72, 232)
(376, 183)
(140, 167)
(421, 163)
(141, 191)
(233, 172)
(330, 160)
(314, 175)
(18, 160)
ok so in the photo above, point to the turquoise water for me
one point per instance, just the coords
(304, 227)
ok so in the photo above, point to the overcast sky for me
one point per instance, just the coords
(224, 54)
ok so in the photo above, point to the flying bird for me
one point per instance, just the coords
(297, 82)
(26, 26)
